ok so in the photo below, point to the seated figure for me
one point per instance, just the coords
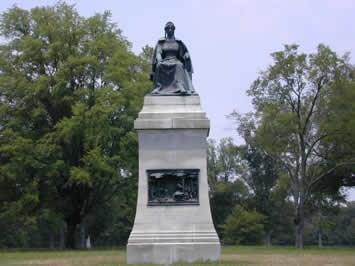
(171, 66)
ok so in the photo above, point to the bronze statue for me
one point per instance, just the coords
(171, 66)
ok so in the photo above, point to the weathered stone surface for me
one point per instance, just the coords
(164, 112)
(171, 253)
(167, 234)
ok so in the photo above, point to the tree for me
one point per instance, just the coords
(70, 88)
(222, 160)
(243, 227)
(225, 196)
(227, 158)
(111, 224)
(225, 193)
(262, 174)
(213, 167)
(340, 128)
(322, 208)
(288, 98)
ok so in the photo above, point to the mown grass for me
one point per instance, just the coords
(335, 250)
(231, 256)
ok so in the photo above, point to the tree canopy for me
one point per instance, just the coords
(70, 88)
(291, 123)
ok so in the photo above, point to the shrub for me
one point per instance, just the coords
(244, 227)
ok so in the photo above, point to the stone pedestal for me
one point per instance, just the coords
(172, 134)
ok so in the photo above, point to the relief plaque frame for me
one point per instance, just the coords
(173, 187)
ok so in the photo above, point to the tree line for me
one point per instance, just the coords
(251, 201)
(301, 130)
(70, 89)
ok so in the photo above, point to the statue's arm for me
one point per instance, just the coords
(157, 58)
(186, 58)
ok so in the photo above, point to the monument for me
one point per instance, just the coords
(173, 220)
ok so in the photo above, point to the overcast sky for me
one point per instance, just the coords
(230, 41)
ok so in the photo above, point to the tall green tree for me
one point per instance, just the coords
(344, 231)
(262, 174)
(213, 167)
(288, 98)
(322, 207)
(225, 191)
(339, 146)
(70, 88)
(224, 198)
(222, 160)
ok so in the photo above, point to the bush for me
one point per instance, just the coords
(244, 227)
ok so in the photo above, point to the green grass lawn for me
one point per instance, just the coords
(231, 255)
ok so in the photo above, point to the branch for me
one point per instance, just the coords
(314, 143)
(298, 111)
(318, 178)
(291, 102)
(319, 87)
(288, 96)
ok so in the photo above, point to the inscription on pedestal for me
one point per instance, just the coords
(173, 187)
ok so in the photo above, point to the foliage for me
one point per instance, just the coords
(212, 163)
(261, 174)
(289, 99)
(225, 197)
(70, 89)
(344, 231)
(243, 227)
(222, 160)
(112, 223)
(225, 193)
(340, 124)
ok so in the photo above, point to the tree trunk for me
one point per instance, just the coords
(300, 203)
(299, 236)
(51, 240)
(82, 235)
(320, 239)
(267, 239)
(299, 222)
(62, 238)
(70, 236)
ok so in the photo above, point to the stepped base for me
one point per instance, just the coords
(173, 246)
(168, 253)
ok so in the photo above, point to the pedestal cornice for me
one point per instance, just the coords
(172, 112)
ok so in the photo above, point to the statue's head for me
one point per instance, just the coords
(169, 29)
